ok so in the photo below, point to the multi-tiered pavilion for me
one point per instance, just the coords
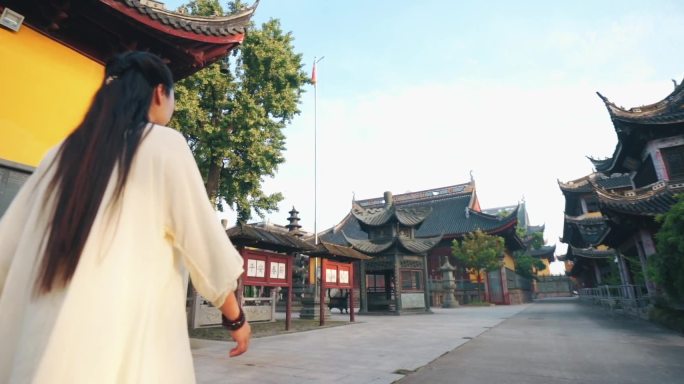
(610, 214)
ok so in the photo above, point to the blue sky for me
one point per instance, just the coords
(414, 95)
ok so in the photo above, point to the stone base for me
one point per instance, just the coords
(311, 310)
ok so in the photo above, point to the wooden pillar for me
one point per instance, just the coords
(486, 286)
(397, 282)
(288, 306)
(363, 294)
(426, 285)
(321, 314)
(351, 292)
(645, 249)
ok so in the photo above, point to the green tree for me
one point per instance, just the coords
(668, 262)
(526, 265)
(479, 252)
(233, 113)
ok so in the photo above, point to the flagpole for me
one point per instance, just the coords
(314, 80)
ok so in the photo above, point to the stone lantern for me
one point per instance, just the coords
(449, 284)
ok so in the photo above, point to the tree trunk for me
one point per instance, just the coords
(479, 283)
(213, 178)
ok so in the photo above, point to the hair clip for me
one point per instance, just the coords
(110, 79)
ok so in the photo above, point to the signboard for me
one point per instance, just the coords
(338, 275)
(266, 268)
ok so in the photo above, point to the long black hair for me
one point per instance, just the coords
(109, 136)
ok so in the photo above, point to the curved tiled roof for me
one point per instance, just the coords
(592, 253)
(209, 26)
(615, 181)
(581, 185)
(251, 236)
(416, 245)
(412, 216)
(545, 252)
(419, 245)
(602, 165)
(668, 110)
(370, 246)
(380, 216)
(372, 216)
(100, 29)
(647, 201)
(450, 217)
(584, 231)
(324, 249)
(596, 180)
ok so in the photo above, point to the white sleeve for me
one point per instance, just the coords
(213, 262)
(13, 222)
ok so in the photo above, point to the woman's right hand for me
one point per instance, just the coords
(241, 337)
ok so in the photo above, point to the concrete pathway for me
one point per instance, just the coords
(372, 350)
(562, 341)
(551, 341)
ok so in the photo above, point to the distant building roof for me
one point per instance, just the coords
(373, 246)
(336, 251)
(544, 252)
(248, 235)
(451, 216)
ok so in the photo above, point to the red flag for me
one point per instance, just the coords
(313, 75)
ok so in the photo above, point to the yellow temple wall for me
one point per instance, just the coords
(46, 90)
(508, 261)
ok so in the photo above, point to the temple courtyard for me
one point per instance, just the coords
(548, 341)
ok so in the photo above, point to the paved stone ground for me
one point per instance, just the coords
(553, 341)
(562, 341)
(371, 350)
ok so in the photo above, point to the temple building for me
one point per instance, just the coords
(585, 227)
(53, 55)
(408, 235)
(527, 233)
(609, 216)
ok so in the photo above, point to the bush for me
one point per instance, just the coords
(668, 262)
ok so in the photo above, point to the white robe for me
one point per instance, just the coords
(122, 317)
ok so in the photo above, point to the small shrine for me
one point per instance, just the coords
(394, 281)
(269, 257)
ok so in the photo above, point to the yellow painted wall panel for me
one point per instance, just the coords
(508, 261)
(46, 89)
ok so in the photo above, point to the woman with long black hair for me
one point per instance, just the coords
(94, 247)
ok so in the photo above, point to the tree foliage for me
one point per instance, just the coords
(525, 264)
(233, 113)
(479, 252)
(668, 262)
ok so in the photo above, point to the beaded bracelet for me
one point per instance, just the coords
(236, 324)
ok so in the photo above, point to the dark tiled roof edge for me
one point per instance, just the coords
(229, 25)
